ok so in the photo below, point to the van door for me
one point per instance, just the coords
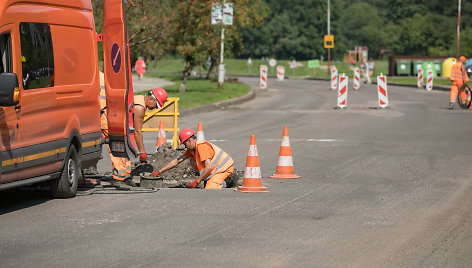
(10, 151)
(118, 80)
(38, 101)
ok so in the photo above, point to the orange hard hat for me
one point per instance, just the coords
(462, 58)
(159, 95)
(185, 134)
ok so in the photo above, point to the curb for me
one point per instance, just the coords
(443, 88)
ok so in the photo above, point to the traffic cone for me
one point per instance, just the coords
(252, 180)
(200, 134)
(161, 135)
(285, 168)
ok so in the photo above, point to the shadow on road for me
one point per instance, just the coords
(17, 199)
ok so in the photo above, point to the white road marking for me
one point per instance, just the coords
(304, 140)
(299, 140)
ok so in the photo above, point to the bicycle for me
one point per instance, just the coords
(465, 96)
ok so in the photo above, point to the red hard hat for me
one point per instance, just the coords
(185, 134)
(160, 95)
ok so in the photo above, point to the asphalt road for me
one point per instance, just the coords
(378, 188)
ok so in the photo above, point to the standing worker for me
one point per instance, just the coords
(140, 67)
(458, 78)
(122, 166)
(214, 165)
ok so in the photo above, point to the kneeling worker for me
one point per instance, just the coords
(214, 165)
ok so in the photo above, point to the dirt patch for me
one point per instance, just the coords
(178, 177)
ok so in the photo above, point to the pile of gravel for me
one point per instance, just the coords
(178, 177)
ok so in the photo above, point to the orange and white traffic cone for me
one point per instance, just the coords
(285, 168)
(200, 134)
(252, 180)
(161, 135)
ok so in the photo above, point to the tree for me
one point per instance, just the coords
(363, 28)
(147, 24)
(196, 39)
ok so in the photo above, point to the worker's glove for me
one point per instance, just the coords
(143, 157)
(156, 173)
(193, 184)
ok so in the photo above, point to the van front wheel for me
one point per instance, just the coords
(66, 185)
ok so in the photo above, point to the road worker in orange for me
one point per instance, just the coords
(214, 165)
(122, 166)
(458, 78)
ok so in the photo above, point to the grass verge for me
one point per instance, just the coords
(438, 81)
(201, 92)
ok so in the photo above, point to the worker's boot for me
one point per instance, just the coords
(91, 170)
(451, 105)
(130, 182)
(120, 184)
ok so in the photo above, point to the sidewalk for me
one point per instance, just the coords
(149, 83)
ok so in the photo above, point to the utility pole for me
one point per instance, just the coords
(221, 67)
(329, 33)
(458, 39)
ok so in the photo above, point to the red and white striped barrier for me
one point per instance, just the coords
(280, 73)
(420, 77)
(357, 79)
(342, 91)
(263, 74)
(429, 80)
(382, 90)
(334, 78)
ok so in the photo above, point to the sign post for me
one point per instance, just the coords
(222, 14)
(328, 34)
(382, 90)
(429, 79)
(249, 65)
(313, 64)
(272, 64)
(334, 78)
(263, 76)
(342, 91)
(357, 79)
(280, 73)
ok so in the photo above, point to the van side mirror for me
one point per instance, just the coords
(9, 91)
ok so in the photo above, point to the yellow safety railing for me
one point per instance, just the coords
(169, 114)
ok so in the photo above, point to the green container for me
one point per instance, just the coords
(429, 65)
(438, 66)
(403, 67)
(416, 65)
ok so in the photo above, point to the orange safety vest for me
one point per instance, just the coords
(103, 93)
(220, 161)
(103, 99)
(458, 73)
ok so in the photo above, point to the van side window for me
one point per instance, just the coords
(36, 55)
(5, 54)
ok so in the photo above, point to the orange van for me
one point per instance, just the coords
(49, 91)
